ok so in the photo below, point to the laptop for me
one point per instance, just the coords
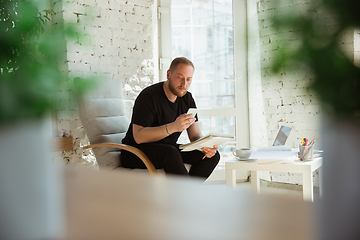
(282, 136)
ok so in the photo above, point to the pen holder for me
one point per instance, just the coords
(305, 153)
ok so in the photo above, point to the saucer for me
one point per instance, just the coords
(243, 159)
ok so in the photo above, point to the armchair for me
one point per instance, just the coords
(102, 114)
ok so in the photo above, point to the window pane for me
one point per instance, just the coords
(203, 93)
(202, 12)
(210, 47)
(180, 15)
(223, 12)
(225, 94)
(176, 3)
(224, 52)
(204, 69)
(203, 53)
(181, 42)
(217, 124)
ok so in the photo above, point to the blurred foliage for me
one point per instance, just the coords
(31, 55)
(336, 78)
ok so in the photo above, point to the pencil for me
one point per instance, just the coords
(204, 157)
(312, 142)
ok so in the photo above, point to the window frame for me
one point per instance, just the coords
(241, 109)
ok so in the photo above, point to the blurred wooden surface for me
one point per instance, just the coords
(62, 144)
(133, 205)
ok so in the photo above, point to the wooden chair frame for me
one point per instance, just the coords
(150, 167)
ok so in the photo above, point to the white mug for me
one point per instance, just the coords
(243, 153)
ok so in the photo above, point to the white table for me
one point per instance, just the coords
(275, 161)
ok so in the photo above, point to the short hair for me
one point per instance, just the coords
(180, 60)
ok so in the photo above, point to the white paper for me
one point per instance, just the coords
(275, 148)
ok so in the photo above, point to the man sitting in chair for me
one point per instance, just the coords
(159, 116)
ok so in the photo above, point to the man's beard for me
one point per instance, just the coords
(174, 90)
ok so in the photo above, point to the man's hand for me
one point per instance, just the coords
(210, 152)
(182, 122)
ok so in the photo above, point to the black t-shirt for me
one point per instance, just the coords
(152, 108)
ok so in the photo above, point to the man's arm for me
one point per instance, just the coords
(153, 134)
(194, 133)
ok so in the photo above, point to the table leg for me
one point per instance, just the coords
(320, 181)
(255, 181)
(308, 191)
(231, 177)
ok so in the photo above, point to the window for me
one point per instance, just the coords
(204, 31)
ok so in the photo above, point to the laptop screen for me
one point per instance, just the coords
(282, 136)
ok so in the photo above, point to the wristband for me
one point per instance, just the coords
(167, 129)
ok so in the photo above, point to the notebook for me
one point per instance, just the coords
(208, 141)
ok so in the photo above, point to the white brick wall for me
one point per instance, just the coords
(283, 99)
(118, 44)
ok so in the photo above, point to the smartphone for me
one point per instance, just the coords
(192, 111)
